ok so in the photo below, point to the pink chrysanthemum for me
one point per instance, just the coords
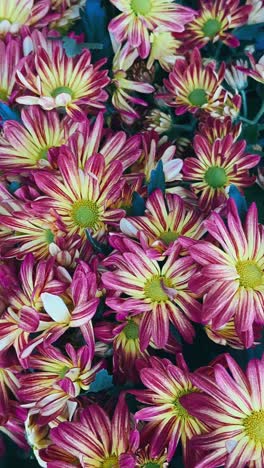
(11, 54)
(216, 167)
(169, 421)
(257, 70)
(213, 129)
(56, 81)
(16, 13)
(231, 276)
(158, 291)
(233, 406)
(215, 19)
(138, 17)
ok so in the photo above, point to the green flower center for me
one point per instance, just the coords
(3, 95)
(211, 28)
(43, 153)
(131, 330)
(215, 177)
(154, 290)
(60, 90)
(151, 465)
(85, 213)
(250, 274)
(141, 7)
(49, 236)
(63, 371)
(169, 236)
(254, 426)
(198, 97)
(179, 409)
(110, 462)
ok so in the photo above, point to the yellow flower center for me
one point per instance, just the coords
(254, 426)
(250, 274)
(215, 177)
(198, 97)
(85, 213)
(3, 95)
(141, 7)
(154, 290)
(49, 236)
(131, 330)
(169, 236)
(60, 90)
(110, 462)
(211, 28)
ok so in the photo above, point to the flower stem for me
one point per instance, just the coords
(244, 101)
(257, 116)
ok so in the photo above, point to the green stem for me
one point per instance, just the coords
(257, 116)
(244, 101)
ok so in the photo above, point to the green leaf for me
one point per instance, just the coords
(73, 48)
(240, 201)
(103, 381)
(248, 32)
(138, 205)
(8, 114)
(255, 194)
(97, 246)
(157, 179)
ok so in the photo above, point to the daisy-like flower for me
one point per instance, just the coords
(232, 275)
(158, 121)
(227, 335)
(12, 426)
(164, 49)
(257, 70)
(234, 77)
(166, 218)
(11, 54)
(16, 13)
(158, 291)
(216, 167)
(157, 149)
(57, 379)
(9, 382)
(26, 146)
(139, 17)
(96, 440)
(169, 421)
(233, 406)
(256, 14)
(68, 11)
(192, 86)
(82, 198)
(122, 97)
(213, 129)
(215, 19)
(72, 83)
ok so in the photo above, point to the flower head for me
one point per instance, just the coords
(16, 13)
(158, 291)
(192, 86)
(168, 420)
(164, 49)
(256, 14)
(213, 129)
(216, 167)
(139, 17)
(59, 81)
(235, 77)
(233, 406)
(257, 70)
(215, 19)
(158, 121)
(11, 54)
(232, 275)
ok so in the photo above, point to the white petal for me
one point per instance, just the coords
(56, 308)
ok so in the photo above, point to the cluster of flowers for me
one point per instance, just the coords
(119, 237)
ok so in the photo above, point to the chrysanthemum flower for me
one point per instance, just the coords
(169, 422)
(164, 49)
(166, 218)
(234, 77)
(158, 121)
(257, 70)
(57, 379)
(233, 405)
(96, 441)
(256, 14)
(217, 166)
(232, 275)
(227, 335)
(11, 54)
(213, 129)
(113, 146)
(16, 13)
(26, 146)
(160, 292)
(124, 87)
(12, 426)
(157, 149)
(60, 81)
(9, 382)
(193, 86)
(138, 17)
(215, 19)
(82, 198)
(67, 11)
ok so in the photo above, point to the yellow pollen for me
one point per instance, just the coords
(250, 274)
(110, 462)
(169, 236)
(141, 7)
(85, 213)
(254, 426)
(154, 291)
